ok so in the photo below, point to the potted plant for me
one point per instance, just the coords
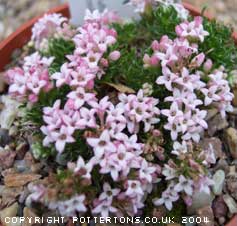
(115, 114)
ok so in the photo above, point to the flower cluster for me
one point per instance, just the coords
(29, 81)
(139, 109)
(217, 92)
(91, 42)
(183, 77)
(46, 27)
(186, 80)
(114, 152)
(192, 30)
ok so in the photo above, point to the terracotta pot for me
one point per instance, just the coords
(22, 35)
(233, 222)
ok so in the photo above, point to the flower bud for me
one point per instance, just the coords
(154, 61)
(155, 45)
(114, 56)
(208, 65)
(156, 133)
(104, 62)
(198, 60)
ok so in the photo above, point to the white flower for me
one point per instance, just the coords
(108, 192)
(169, 172)
(104, 208)
(134, 188)
(185, 185)
(168, 197)
(70, 207)
(180, 148)
(146, 171)
(83, 168)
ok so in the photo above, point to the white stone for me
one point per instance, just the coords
(9, 112)
(200, 199)
(230, 202)
(219, 180)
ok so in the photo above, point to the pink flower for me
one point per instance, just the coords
(140, 5)
(204, 184)
(101, 106)
(65, 31)
(139, 109)
(115, 119)
(169, 172)
(80, 97)
(87, 118)
(62, 137)
(101, 144)
(36, 61)
(64, 76)
(173, 112)
(210, 95)
(167, 57)
(208, 65)
(93, 59)
(167, 78)
(104, 18)
(31, 80)
(37, 193)
(208, 155)
(111, 167)
(131, 143)
(17, 83)
(199, 118)
(185, 80)
(188, 200)
(192, 29)
(175, 128)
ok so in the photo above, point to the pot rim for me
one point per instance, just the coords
(22, 35)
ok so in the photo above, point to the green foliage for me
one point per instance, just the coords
(58, 48)
(41, 152)
(79, 148)
(219, 46)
